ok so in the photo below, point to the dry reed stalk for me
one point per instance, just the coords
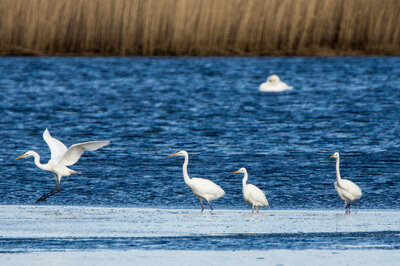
(199, 27)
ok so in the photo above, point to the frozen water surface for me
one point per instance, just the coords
(179, 257)
(67, 234)
(38, 228)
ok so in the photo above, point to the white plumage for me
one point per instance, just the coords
(202, 188)
(347, 190)
(61, 157)
(274, 84)
(252, 194)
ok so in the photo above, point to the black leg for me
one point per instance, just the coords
(348, 207)
(202, 208)
(45, 196)
(57, 183)
(210, 205)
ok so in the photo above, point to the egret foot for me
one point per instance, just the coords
(45, 196)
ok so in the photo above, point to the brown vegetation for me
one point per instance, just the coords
(200, 27)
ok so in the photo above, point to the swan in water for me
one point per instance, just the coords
(252, 194)
(202, 188)
(274, 84)
(347, 190)
(61, 157)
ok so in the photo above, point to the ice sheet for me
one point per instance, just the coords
(68, 221)
(60, 228)
(167, 257)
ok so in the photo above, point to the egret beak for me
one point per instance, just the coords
(236, 172)
(175, 154)
(22, 156)
(331, 156)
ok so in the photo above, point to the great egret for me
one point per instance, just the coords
(347, 190)
(202, 188)
(252, 194)
(61, 157)
(274, 84)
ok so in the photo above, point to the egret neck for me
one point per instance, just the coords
(338, 178)
(244, 180)
(186, 177)
(45, 167)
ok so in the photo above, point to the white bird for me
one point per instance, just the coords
(347, 190)
(202, 188)
(274, 84)
(61, 157)
(252, 194)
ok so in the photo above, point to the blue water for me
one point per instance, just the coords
(297, 241)
(151, 107)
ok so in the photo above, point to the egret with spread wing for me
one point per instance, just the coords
(202, 188)
(61, 157)
(252, 194)
(347, 190)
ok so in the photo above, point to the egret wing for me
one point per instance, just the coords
(257, 195)
(75, 151)
(57, 148)
(201, 187)
(351, 188)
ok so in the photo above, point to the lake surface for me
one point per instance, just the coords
(151, 107)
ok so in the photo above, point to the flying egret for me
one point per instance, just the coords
(202, 188)
(61, 157)
(252, 194)
(274, 84)
(347, 190)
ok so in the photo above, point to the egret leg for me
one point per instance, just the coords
(257, 210)
(57, 183)
(45, 196)
(210, 205)
(356, 204)
(202, 208)
(347, 207)
(252, 209)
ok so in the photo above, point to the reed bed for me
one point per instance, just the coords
(199, 27)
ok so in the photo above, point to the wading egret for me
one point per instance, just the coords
(202, 188)
(61, 157)
(347, 190)
(274, 84)
(252, 194)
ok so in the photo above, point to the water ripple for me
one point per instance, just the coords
(152, 107)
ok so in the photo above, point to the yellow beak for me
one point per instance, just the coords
(331, 156)
(22, 156)
(175, 154)
(236, 172)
